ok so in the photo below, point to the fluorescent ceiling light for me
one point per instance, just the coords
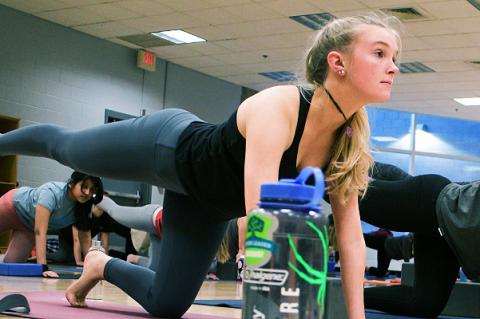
(468, 101)
(178, 36)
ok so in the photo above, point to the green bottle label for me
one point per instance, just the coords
(259, 241)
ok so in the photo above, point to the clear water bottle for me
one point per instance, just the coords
(287, 251)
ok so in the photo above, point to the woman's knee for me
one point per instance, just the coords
(164, 308)
(434, 182)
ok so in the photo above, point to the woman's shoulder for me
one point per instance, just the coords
(56, 188)
(281, 91)
(277, 98)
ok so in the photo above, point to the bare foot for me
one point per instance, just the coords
(93, 267)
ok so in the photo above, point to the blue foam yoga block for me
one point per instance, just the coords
(13, 269)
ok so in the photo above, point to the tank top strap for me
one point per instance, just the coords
(289, 159)
(305, 100)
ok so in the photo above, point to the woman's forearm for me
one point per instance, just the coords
(352, 259)
(77, 252)
(41, 248)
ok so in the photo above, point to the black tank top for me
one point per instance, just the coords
(210, 161)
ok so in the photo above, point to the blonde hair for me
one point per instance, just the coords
(223, 252)
(350, 161)
(347, 171)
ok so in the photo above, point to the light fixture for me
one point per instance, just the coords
(280, 76)
(469, 101)
(314, 21)
(178, 36)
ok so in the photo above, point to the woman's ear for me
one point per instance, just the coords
(335, 62)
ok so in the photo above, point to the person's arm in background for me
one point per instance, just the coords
(42, 217)
(352, 249)
(105, 239)
(82, 241)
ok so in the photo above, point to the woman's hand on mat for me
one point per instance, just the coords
(50, 274)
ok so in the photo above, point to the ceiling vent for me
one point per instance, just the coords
(280, 76)
(475, 3)
(146, 40)
(406, 13)
(314, 21)
(414, 67)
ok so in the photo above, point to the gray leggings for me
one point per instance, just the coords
(140, 218)
(141, 149)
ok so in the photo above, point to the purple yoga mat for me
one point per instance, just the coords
(53, 305)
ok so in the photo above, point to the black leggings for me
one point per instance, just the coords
(141, 149)
(376, 240)
(409, 206)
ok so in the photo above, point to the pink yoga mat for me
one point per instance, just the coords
(53, 305)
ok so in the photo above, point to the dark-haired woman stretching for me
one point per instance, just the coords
(30, 212)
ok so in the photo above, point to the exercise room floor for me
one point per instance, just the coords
(112, 294)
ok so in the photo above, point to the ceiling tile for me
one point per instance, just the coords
(145, 7)
(340, 5)
(465, 54)
(36, 6)
(450, 66)
(223, 70)
(209, 33)
(187, 5)
(107, 29)
(111, 11)
(216, 16)
(196, 61)
(262, 28)
(124, 43)
(223, 3)
(77, 3)
(444, 26)
(258, 56)
(72, 17)
(246, 78)
(414, 43)
(252, 11)
(290, 8)
(450, 9)
(452, 41)
(174, 51)
(390, 3)
(298, 39)
(207, 48)
(164, 22)
(294, 66)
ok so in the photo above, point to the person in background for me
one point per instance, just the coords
(29, 212)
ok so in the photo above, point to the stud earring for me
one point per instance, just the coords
(341, 72)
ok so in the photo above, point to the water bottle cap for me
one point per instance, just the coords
(294, 193)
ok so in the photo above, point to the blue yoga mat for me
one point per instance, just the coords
(66, 269)
(371, 314)
(36, 270)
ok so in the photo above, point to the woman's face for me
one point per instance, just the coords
(371, 67)
(82, 192)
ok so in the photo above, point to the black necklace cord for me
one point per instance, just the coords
(348, 129)
(336, 104)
